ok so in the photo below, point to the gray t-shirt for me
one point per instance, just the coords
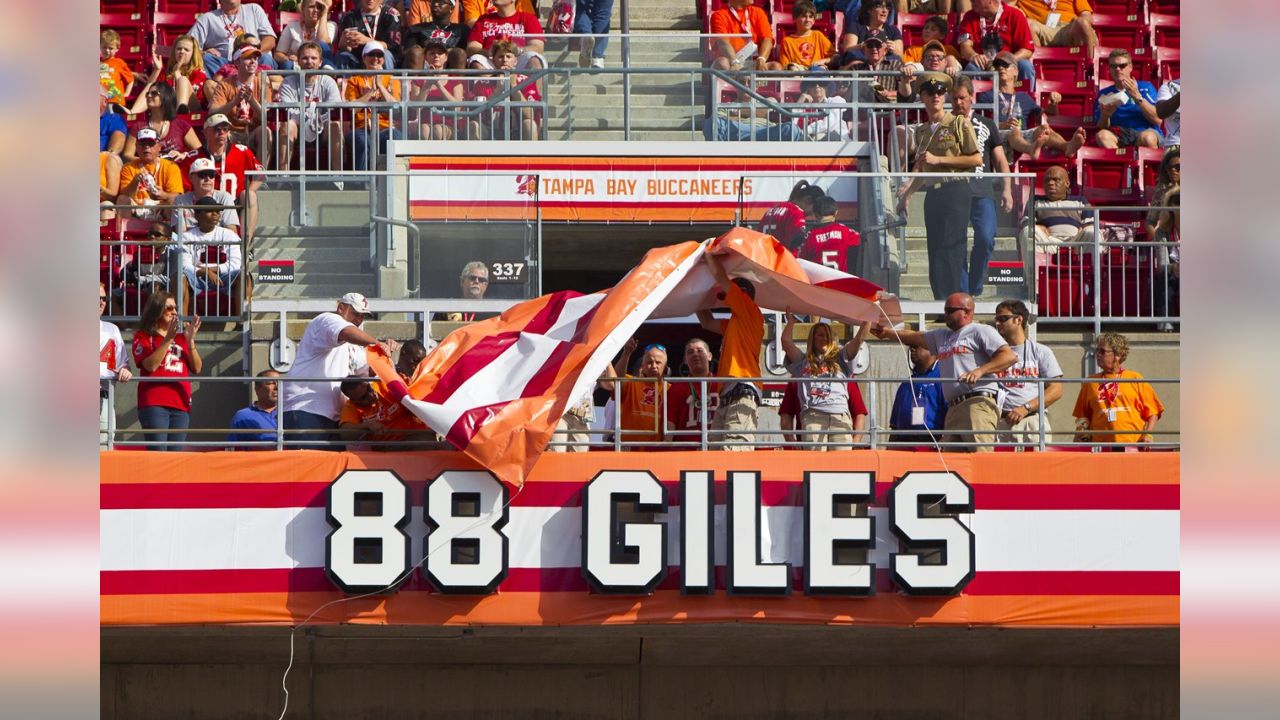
(1034, 360)
(218, 31)
(818, 392)
(323, 90)
(959, 351)
(228, 218)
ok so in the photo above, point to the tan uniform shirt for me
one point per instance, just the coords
(953, 136)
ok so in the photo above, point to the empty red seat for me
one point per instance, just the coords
(1118, 7)
(1165, 31)
(1107, 176)
(1169, 64)
(1075, 108)
(1148, 167)
(171, 26)
(1062, 64)
(192, 8)
(1124, 31)
(911, 25)
(137, 8)
(1171, 7)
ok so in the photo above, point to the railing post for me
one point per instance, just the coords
(111, 414)
(702, 413)
(1097, 272)
(1040, 409)
(624, 11)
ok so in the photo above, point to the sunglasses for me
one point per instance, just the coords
(955, 309)
(1120, 66)
(147, 143)
(174, 308)
(102, 298)
(655, 346)
(1177, 167)
(222, 128)
(1003, 318)
(477, 279)
(208, 175)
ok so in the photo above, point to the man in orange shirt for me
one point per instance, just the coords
(1061, 23)
(149, 179)
(367, 414)
(741, 17)
(643, 404)
(743, 334)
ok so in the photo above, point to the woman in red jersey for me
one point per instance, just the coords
(164, 347)
(786, 221)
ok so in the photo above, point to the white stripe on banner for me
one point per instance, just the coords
(549, 537)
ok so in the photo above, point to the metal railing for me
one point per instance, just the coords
(877, 434)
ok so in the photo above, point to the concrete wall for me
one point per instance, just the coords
(641, 673)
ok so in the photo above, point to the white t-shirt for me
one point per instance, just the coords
(1034, 360)
(111, 353)
(1173, 123)
(321, 354)
(197, 250)
(291, 37)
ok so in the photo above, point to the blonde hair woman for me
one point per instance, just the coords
(184, 73)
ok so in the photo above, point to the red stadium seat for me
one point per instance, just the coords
(1148, 167)
(1118, 7)
(1068, 64)
(190, 8)
(171, 26)
(136, 8)
(1168, 64)
(1144, 64)
(1124, 31)
(1076, 108)
(134, 32)
(1171, 7)
(911, 24)
(1107, 176)
(1165, 31)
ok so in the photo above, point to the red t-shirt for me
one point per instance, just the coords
(829, 245)
(176, 395)
(791, 401)
(1010, 24)
(683, 411)
(231, 168)
(492, 28)
(174, 139)
(786, 223)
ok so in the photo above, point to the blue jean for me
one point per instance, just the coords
(720, 128)
(360, 145)
(302, 420)
(592, 16)
(982, 215)
(154, 417)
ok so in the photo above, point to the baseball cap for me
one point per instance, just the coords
(482, 59)
(147, 135)
(872, 40)
(216, 120)
(373, 46)
(434, 43)
(200, 165)
(208, 201)
(247, 50)
(933, 45)
(357, 301)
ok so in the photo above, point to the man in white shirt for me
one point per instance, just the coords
(211, 254)
(1169, 108)
(113, 365)
(330, 348)
(1020, 407)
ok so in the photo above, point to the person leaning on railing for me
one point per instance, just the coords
(643, 405)
(1115, 412)
(822, 413)
(113, 365)
(372, 126)
(258, 421)
(1020, 405)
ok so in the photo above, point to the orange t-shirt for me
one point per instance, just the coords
(358, 85)
(392, 415)
(804, 49)
(242, 115)
(743, 333)
(753, 22)
(115, 76)
(915, 53)
(1038, 10)
(102, 169)
(643, 409)
(167, 174)
(419, 11)
(1133, 404)
(473, 9)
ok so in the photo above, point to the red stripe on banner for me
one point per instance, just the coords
(546, 375)
(470, 422)
(155, 496)
(470, 363)
(852, 286)
(534, 168)
(550, 313)
(728, 204)
(178, 582)
(1077, 497)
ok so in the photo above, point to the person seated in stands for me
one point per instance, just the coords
(934, 58)
(375, 88)
(873, 21)
(936, 7)
(1125, 112)
(1058, 219)
(807, 49)
(239, 97)
(477, 88)
(114, 74)
(216, 32)
(822, 407)
(111, 126)
(412, 353)
(786, 221)
(149, 179)
(369, 415)
(258, 421)
(873, 56)
(474, 282)
(203, 175)
(507, 22)
(440, 27)
(1169, 108)
(524, 121)
(826, 123)
(185, 76)
(211, 254)
(935, 30)
(313, 26)
(741, 17)
(918, 407)
(1020, 402)
(369, 22)
(1115, 412)
(433, 123)
(231, 161)
(161, 248)
(1020, 117)
(990, 28)
(831, 242)
(177, 137)
(473, 10)
(741, 124)
(1061, 24)
(1168, 229)
(644, 404)
(1168, 177)
(109, 167)
(312, 122)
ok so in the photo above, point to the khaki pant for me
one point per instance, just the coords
(973, 420)
(738, 418)
(1060, 36)
(1026, 430)
(830, 432)
(571, 429)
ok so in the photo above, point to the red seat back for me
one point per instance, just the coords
(1126, 31)
(1068, 64)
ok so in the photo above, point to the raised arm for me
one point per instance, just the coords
(789, 346)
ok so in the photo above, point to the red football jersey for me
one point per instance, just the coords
(176, 394)
(492, 28)
(786, 223)
(829, 245)
(683, 409)
(231, 168)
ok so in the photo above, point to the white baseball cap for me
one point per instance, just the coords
(216, 119)
(482, 59)
(202, 165)
(147, 134)
(357, 301)
(374, 46)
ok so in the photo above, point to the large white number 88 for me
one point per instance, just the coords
(368, 550)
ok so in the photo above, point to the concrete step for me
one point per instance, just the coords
(636, 134)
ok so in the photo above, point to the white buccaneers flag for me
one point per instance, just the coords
(496, 389)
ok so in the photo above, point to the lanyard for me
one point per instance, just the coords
(982, 22)
(744, 22)
(370, 31)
